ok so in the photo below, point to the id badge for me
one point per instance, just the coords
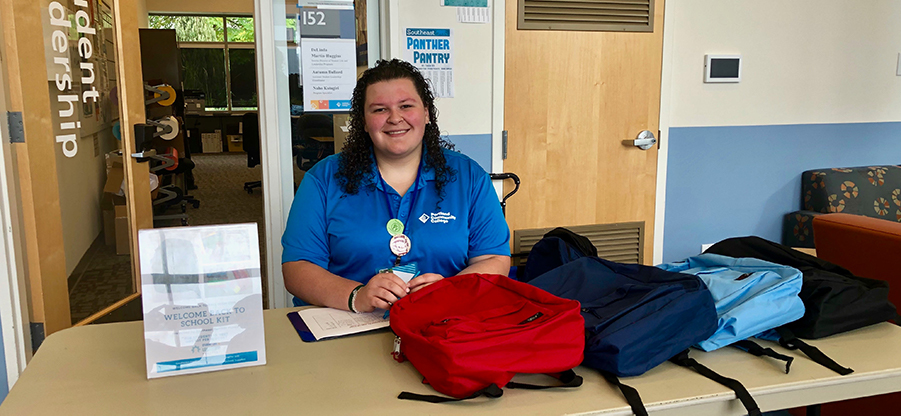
(405, 272)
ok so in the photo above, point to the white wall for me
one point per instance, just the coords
(469, 111)
(200, 6)
(803, 61)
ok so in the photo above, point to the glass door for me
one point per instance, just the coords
(304, 114)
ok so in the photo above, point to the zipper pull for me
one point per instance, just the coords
(398, 356)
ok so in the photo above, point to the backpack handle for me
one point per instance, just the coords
(568, 377)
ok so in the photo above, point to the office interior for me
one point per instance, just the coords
(820, 87)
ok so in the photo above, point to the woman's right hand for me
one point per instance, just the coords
(380, 292)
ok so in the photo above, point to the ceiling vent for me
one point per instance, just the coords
(587, 15)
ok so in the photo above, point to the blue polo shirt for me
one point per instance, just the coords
(347, 235)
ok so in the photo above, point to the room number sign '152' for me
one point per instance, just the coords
(313, 18)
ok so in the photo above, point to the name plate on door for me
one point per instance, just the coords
(203, 299)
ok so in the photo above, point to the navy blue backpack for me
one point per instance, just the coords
(636, 317)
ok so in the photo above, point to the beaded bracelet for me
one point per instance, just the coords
(352, 298)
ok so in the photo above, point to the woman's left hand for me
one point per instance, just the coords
(423, 280)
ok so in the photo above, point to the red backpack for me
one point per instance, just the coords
(469, 334)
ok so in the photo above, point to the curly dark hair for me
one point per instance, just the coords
(355, 161)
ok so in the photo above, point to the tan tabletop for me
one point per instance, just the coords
(100, 370)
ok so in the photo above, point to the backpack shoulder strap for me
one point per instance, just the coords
(629, 392)
(788, 340)
(755, 348)
(682, 359)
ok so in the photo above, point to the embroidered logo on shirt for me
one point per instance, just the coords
(424, 218)
(441, 217)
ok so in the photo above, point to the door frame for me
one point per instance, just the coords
(666, 89)
(275, 155)
(13, 312)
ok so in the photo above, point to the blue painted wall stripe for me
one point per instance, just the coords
(476, 146)
(724, 182)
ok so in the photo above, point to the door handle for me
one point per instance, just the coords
(644, 141)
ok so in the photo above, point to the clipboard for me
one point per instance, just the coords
(366, 322)
(301, 327)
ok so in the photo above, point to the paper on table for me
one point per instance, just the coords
(328, 322)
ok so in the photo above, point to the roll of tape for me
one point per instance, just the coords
(172, 122)
(169, 101)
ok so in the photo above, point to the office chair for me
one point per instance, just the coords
(251, 136)
(308, 150)
(167, 167)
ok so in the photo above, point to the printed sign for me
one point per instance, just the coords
(70, 40)
(327, 4)
(465, 3)
(328, 58)
(203, 299)
(432, 51)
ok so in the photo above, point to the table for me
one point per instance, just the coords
(99, 370)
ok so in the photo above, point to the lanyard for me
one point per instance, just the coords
(391, 214)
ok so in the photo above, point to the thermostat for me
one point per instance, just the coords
(722, 68)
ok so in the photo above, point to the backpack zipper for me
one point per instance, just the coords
(398, 356)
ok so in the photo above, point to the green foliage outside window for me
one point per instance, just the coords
(205, 68)
(191, 28)
(240, 29)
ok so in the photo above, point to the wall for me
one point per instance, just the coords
(818, 90)
(467, 118)
(142, 14)
(198, 6)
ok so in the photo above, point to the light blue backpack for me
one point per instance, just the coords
(752, 297)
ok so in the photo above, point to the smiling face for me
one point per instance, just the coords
(395, 118)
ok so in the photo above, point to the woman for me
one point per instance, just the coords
(397, 198)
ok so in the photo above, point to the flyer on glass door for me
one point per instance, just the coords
(202, 297)
(328, 57)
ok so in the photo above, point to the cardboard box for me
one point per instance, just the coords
(211, 142)
(235, 143)
(115, 173)
(115, 212)
(122, 243)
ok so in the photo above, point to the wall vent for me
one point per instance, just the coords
(587, 15)
(620, 242)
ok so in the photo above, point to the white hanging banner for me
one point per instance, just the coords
(328, 50)
(202, 296)
(432, 51)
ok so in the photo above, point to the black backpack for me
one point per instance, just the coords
(835, 300)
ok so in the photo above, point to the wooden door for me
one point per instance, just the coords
(132, 112)
(39, 176)
(571, 99)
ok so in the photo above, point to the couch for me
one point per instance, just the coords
(871, 191)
